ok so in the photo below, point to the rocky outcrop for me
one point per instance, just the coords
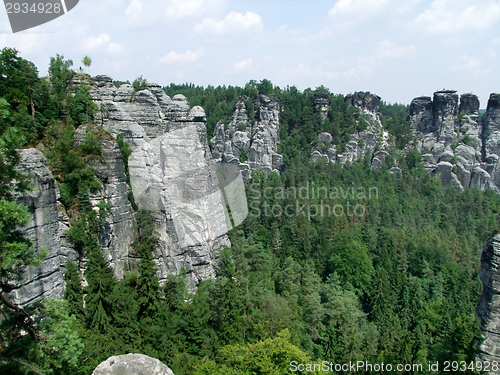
(251, 144)
(47, 232)
(322, 103)
(449, 137)
(372, 140)
(172, 173)
(132, 364)
(491, 139)
(489, 306)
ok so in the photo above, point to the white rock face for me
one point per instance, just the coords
(172, 173)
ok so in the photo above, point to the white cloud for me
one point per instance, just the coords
(302, 71)
(146, 12)
(102, 42)
(187, 56)
(95, 42)
(242, 66)
(347, 13)
(385, 51)
(231, 24)
(469, 64)
(446, 17)
(188, 8)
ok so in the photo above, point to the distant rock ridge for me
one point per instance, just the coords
(250, 144)
(373, 140)
(454, 143)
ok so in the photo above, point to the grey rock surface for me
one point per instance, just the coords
(447, 130)
(372, 140)
(46, 230)
(489, 305)
(132, 364)
(322, 103)
(258, 139)
(171, 170)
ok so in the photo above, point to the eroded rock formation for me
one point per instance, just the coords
(372, 140)
(450, 136)
(251, 144)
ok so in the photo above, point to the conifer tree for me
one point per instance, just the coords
(101, 281)
(148, 285)
(73, 292)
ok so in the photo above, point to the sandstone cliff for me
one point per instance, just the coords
(172, 174)
(489, 306)
(47, 232)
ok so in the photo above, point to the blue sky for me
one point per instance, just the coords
(398, 49)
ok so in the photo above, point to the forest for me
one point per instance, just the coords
(396, 284)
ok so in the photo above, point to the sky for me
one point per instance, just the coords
(397, 49)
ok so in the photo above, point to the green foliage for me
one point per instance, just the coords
(119, 83)
(60, 349)
(243, 156)
(87, 61)
(15, 251)
(60, 74)
(73, 293)
(139, 84)
(148, 285)
(270, 356)
(466, 139)
(80, 107)
(124, 150)
(395, 119)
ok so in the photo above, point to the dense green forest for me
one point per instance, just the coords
(394, 279)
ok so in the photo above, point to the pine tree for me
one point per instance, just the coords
(101, 281)
(148, 285)
(73, 292)
(230, 313)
